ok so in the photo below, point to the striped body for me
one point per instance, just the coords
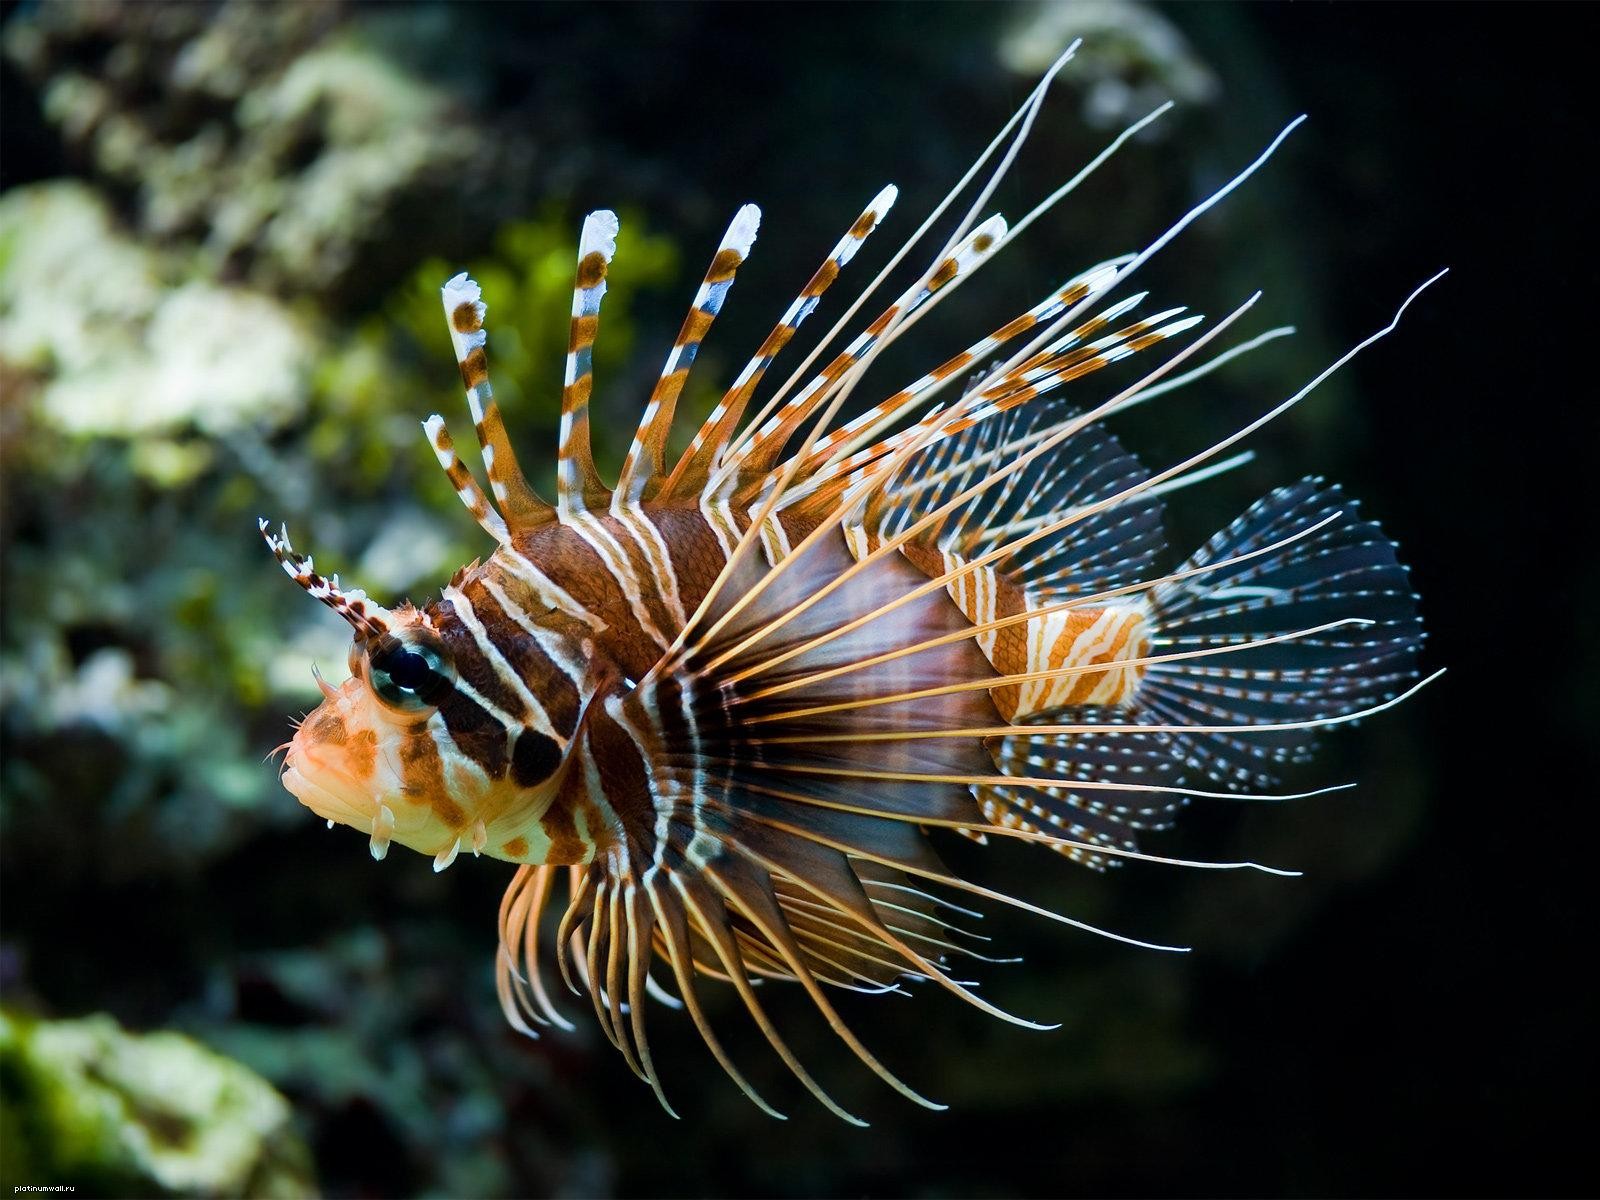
(1094, 635)
(534, 627)
(730, 700)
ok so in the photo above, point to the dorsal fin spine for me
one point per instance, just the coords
(646, 461)
(464, 310)
(578, 483)
(714, 435)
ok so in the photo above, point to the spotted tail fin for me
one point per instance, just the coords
(1345, 569)
(1296, 614)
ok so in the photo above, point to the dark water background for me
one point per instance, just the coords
(1409, 1018)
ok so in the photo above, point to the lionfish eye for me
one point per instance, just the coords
(410, 672)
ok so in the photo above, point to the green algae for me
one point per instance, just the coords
(88, 1104)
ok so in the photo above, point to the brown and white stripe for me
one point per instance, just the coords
(1059, 363)
(576, 479)
(866, 425)
(646, 461)
(464, 310)
(461, 479)
(757, 459)
(718, 428)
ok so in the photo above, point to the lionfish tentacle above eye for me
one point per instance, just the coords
(369, 619)
(733, 704)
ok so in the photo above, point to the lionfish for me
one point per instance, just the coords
(729, 698)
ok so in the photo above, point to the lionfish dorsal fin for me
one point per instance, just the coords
(764, 451)
(578, 483)
(1065, 359)
(467, 489)
(646, 461)
(464, 309)
(866, 426)
(694, 468)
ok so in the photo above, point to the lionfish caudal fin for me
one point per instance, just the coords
(930, 617)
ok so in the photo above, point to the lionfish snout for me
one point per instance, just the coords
(352, 762)
(365, 757)
(332, 765)
(407, 749)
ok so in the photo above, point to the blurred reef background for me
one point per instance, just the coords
(222, 230)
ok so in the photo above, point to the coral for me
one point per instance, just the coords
(1133, 57)
(89, 1104)
(276, 140)
(125, 349)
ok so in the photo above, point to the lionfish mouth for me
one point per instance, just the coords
(330, 795)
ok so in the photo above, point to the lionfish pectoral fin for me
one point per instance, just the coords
(519, 982)
(777, 853)
(684, 888)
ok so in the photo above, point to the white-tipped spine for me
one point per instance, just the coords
(459, 290)
(1124, 306)
(742, 232)
(599, 236)
(434, 427)
(883, 202)
(980, 243)
(600, 233)
(1073, 336)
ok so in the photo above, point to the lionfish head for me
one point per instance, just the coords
(378, 755)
